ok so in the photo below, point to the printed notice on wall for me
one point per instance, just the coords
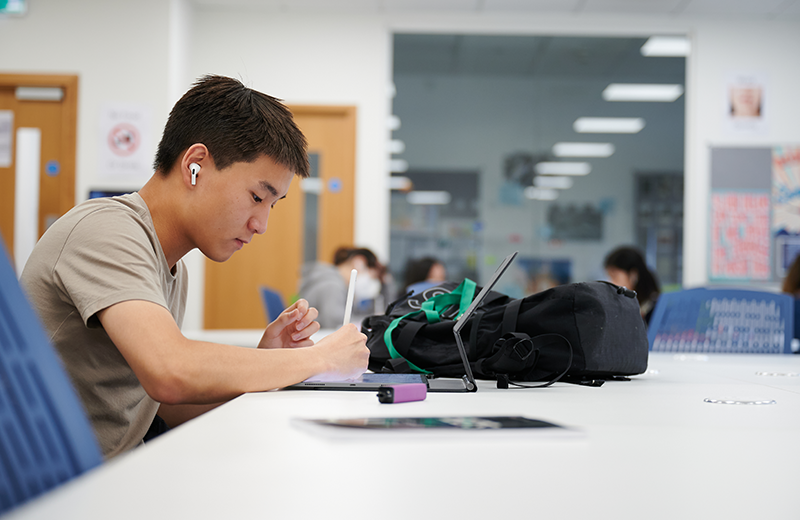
(785, 206)
(745, 108)
(740, 235)
(125, 141)
(6, 134)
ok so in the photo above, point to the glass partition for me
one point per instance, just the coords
(542, 144)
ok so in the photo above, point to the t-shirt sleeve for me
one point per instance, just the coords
(108, 258)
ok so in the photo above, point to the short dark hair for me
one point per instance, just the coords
(343, 254)
(419, 269)
(235, 123)
(791, 283)
(629, 259)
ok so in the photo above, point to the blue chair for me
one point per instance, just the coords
(45, 437)
(729, 321)
(273, 303)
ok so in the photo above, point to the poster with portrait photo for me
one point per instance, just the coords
(745, 106)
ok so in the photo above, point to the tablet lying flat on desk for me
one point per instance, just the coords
(433, 427)
(428, 423)
(368, 381)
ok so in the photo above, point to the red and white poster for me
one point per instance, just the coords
(126, 148)
(740, 235)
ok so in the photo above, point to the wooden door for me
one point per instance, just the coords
(323, 206)
(57, 121)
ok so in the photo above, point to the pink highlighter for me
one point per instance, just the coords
(402, 393)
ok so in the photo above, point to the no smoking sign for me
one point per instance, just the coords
(124, 139)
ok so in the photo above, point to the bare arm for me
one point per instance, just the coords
(175, 370)
(292, 328)
(177, 414)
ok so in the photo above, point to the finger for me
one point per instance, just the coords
(287, 317)
(302, 305)
(307, 332)
(309, 318)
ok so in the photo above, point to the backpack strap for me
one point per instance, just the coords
(524, 346)
(407, 335)
(432, 308)
(397, 366)
(387, 339)
(538, 342)
(510, 314)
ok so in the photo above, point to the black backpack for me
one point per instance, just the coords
(581, 332)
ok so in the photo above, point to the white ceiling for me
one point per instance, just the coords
(770, 9)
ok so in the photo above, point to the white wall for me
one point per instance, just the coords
(122, 51)
(119, 50)
(769, 48)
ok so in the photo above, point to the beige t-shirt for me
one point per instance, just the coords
(102, 252)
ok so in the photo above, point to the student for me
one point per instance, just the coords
(791, 284)
(626, 267)
(424, 273)
(324, 285)
(109, 284)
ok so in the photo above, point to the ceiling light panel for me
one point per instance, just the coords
(642, 92)
(433, 198)
(397, 146)
(563, 168)
(552, 182)
(608, 125)
(397, 182)
(540, 194)
(398, 165)
(666, 47)
(583, 149)
(393, 122)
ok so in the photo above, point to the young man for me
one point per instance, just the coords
(110, 287)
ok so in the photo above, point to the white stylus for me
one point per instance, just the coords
(351, 292)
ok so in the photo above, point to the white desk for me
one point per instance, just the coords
(652, 449)
(238, 337)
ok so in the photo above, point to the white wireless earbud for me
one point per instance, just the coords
(194, 168)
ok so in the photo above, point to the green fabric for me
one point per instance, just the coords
(433, 308)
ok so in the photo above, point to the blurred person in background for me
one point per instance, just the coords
(626, 267)
(791, 284)
(424, 273)
(324, 285)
